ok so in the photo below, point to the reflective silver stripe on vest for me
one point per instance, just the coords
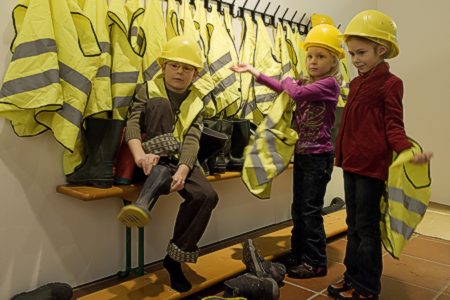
(286, 68)
(151, 71)
(220, 63)
(270, 139)
(249, 107)
(258, 166)
(106, 47)
(124, 77)
(122, 101)
(103, 71)
(222, 86)
(207, 99)
(401, 228)
(71, 114)
(204, 70)
(134, 31)
(29, 83)
(34, 48)
(266, 97)
(74, 78)
(409, 203)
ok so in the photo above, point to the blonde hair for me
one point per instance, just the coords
(335, 70)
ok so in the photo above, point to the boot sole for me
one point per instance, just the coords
(133, 216)
(251, 260)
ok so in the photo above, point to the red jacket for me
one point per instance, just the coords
(372, 124)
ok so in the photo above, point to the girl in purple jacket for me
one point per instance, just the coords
(316, 96)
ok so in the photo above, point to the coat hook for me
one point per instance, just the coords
(207, 6)
(264, 16)
(242, 10)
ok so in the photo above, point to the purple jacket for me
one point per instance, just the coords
(314, 115)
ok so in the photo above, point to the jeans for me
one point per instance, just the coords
(363, 259)
(312, 172)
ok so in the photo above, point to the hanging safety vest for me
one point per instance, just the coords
(189, 108)
(154, 29)
(172, 23)
(221, 56)
(293, 50)
(301, 67)
(408, 192)
(271, 148)
(266, 62)
(281, 52)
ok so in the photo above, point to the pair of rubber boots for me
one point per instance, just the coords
(50, 291)
(157, 183)
(262, 280)
(102, 137)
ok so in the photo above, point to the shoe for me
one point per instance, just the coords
(338, 287)
(222, 298)
(305, 270)
(50, 291)
(352, 294)
(290, 260)
(252, 287)
(257, 265)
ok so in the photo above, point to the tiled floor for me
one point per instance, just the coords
(421, 273)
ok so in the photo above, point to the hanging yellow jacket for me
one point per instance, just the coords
(301, 67)
(204, 84)
(266, 62)
(154, 29)
(200, 24)
(221, 56)
(282, 53)
(172, 23)
(293, 50)
(346, 81)
(100, 98)
(136, 35)
(408, 192)
(31, 82)
(271, 148)
(126, 69)
(190, 108)
(246, 54)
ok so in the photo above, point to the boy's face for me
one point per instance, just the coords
(365, 54)
(178, 76)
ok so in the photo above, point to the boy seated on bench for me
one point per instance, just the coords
(169, 112)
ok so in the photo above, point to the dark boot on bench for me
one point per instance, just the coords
(211, 142)
(50, 291)
(102, 142)
(156, 184)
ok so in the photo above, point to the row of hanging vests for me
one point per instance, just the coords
(85, 58)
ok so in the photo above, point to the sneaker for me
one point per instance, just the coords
(352, 294)
(290, 260)
(305, 270)
(50, 291)
(338, 287)
(257, 265)
(252, 287)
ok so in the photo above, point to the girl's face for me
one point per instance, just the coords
(365, 53)
(319, 62)
(178, 76)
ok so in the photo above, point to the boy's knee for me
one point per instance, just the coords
(208, 197)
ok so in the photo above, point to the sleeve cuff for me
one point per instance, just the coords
(132, 133)
(188, 161)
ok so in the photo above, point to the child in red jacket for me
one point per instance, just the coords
(371, 129)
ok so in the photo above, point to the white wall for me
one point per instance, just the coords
(424, 66)
(46, 236)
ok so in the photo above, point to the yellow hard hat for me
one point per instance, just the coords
(376, 26)
(317, 19)
(326, 36)
(182, 49)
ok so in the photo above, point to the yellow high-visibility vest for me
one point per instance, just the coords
(172, 22)
(282, 53)
(408, 192)
(271, 148)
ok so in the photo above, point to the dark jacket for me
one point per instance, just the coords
(372, 124)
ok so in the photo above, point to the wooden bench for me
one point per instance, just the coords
(128, 193)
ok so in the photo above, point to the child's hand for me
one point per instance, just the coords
(422, 158)
(244, 67)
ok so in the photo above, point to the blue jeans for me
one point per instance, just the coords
(363, 259)
(312, 172)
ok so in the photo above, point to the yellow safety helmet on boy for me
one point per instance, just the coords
(326, 36)
(182, 49)
(375, 26)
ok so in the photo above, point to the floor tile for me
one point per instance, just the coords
(393, 289)
(335, 271)
(321, 297)
(443, 296)
(289, 291)
(417, 271)
(336, 250)
(428, 248)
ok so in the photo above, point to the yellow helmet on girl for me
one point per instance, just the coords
(326, 36)
(182, 49)
(375, 26)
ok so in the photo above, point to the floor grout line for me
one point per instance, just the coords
(427, 260)
(441, 291)
(410, 283)
(299, 286)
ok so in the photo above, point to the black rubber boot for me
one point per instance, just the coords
(252, 287)
(335, 205)
(239, 140)
(102, 141)
(50, 291)
(156, 184)
(218, 163)
(211, 142)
